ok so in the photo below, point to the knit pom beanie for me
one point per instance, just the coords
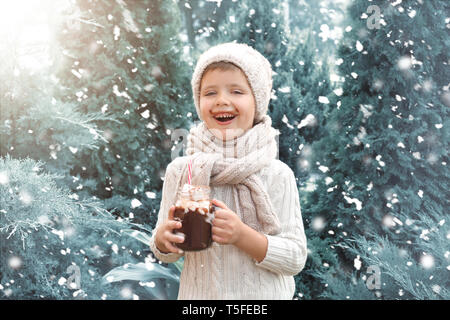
(254, 65)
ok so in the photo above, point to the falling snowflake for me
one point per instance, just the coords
(323, 99)
(378, 84)
(3, 177)
(135, 203)
(416, 155)
(285, 89)
(404, 63)
(150, 284)
(62, 281)
(388, 221)
(357, 203)
(25, 197)
(145, 114)
(327, 33)
(59, 233)
(76, 73)
(318, 223)
(150, 195)
(126, 293)
(366, 109)
(156, 72)
(359, 46)
(412, 13)
(338, 92)
(149, 87)
(116, 33)
(15, 262)
(309, 120)
(339, 61)
(427, 261)
(104, 108)
(381, 163)
(73, 150)
(436, 288)
(357, 262)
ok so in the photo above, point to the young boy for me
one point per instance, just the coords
(259, 242)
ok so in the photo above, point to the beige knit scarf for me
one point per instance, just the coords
(235, 162)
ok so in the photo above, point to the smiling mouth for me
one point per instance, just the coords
(225, 119)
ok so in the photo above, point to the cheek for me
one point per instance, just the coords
(250, 111)
(204, 109)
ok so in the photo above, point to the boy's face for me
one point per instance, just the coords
(227, 104)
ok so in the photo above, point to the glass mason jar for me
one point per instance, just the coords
(195, 212)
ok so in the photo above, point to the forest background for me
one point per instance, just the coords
(95, 101)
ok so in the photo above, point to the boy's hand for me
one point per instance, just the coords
(227, 227)
(165, 238)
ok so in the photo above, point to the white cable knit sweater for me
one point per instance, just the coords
(224, 272)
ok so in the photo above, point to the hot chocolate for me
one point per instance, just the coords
(195, 211)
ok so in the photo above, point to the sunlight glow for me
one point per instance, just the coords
(26, 28)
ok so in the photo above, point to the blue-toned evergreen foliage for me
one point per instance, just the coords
(363, 120)
(384, 193)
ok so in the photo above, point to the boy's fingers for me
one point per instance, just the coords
(218, 231)
(220, 204)
(172, 248)
(172, 237)
(221, 214)
(218, 222)
(218, 239)
(171, 212)
(224, 214)
(173, 224)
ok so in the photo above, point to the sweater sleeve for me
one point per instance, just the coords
(167, 200)
(286, 252)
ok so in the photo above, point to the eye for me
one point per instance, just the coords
(209, 93)
(237, 92)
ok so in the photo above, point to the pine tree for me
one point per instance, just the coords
(125, 60)
(35, 123)
(50, 238)
(201, 18)
(384, 194)
(320, 20)
(52, 245)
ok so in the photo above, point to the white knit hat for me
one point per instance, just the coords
(255, 66)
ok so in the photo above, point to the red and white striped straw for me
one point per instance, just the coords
(190, 171)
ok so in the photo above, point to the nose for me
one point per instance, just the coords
(222, 99)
